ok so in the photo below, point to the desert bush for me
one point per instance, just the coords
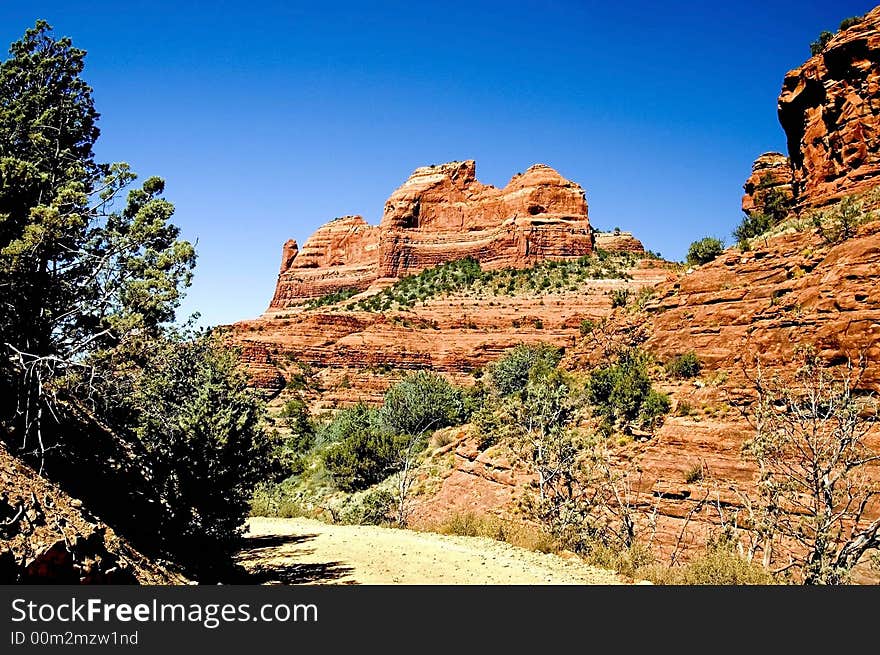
(846, 23)
(694, 474)
(510, 373)
(622, 395)
(511, 531)
(361, 459)
(347, 422)
(464, 524)
(839, 223)
(684, 366)
(627, 561)
(331, 298)
(704, 251)
(586, 327)
(200, 426)
(375, 507)
(620, 298)
(817, 46)
(422, 402)
(721, 564)
(752, 225)
(684, 408)
(295, 417)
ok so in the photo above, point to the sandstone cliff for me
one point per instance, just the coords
(830, 111)
(441, 213)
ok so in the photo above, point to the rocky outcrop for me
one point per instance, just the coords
(441, 213)
(617, 241)
(791, 290)
(771, 175)
(830, 111)
(47, 537)
(343, 254)
(357, 354)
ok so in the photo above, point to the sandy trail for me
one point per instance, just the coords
(305, 551)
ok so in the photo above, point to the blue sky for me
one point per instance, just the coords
(269, 118)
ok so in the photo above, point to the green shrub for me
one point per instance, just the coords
(846, 23)
(817, 46)
(361, 460)
(295, 417)
(510, 373)
(654, 407)
(622, 395)
(704, 251)
(200, 427)
(586, 327)
(423, 402)
(752, 225)
(619, 298)
(348, 421)
(375, 507)
(331, 298)
(839, 223)
(467, 275)
(684, 366)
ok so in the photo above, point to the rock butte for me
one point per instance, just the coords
(440, 214)
(770, 172)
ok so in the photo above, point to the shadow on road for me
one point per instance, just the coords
(270, 559)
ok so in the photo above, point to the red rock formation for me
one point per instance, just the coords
(441, 213)
(771, 172)
(342, 254)
(617, 241)
(830, 111)
(792, 289)
(454, 335)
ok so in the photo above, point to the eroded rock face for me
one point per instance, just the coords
(771, 173)
(440, 214)
(617, 241)
(830, 111)
(791, 290)
(343, 254)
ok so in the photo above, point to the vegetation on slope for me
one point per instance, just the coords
(153, 427)
(466, 275)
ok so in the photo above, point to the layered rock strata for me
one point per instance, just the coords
(440, 214)
(830, 111)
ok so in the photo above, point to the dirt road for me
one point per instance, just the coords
(304, 551)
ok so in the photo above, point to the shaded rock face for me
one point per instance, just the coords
(771, 173)
(440, 214)
(48, 537)
(830, 111)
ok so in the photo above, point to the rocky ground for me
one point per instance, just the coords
(306, 551)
